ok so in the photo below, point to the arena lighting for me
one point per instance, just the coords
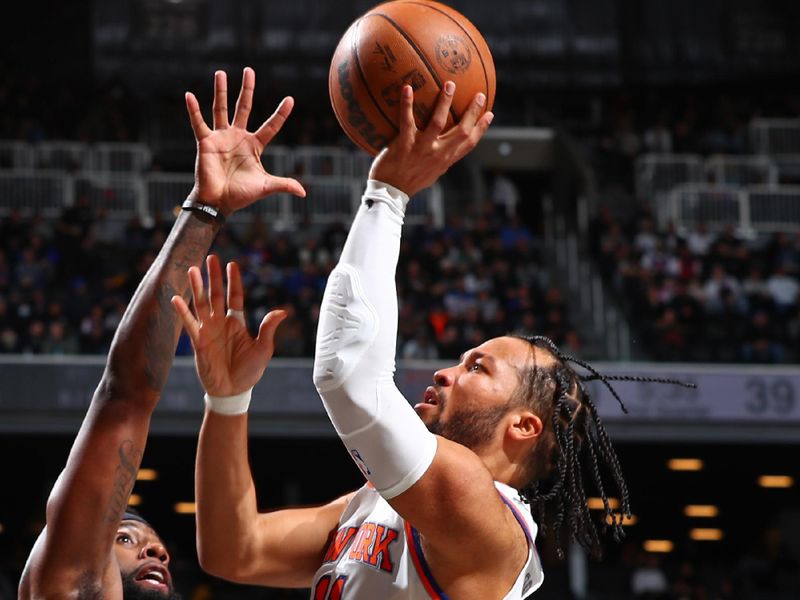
(147, 475)
(685, 464)
(595, 503)
(701, 510)
(706, 535)
(660, 546)
(134, 500)
(185, 508)
(628, 521)
(776, 481)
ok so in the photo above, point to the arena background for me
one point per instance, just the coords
(637, 199)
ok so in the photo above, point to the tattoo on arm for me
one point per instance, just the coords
(130, 458)
(191, 245)
(159, 340)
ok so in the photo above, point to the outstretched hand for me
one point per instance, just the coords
(417, 158)
(228, 170)
(229, 360)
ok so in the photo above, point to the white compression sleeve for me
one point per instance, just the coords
(354, 359)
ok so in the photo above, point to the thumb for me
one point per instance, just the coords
(268, 327)
(283, 184)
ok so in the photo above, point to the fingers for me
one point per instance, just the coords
(199, 126)
(220, 100)
(216, 297)
(406, 118)
(266, 332)
(474, 136)
(273, 125)
(235, 288)
(473, 113)
(198, 294)
(245, 101)
(273, 185)
(189, 322)
(440, 112)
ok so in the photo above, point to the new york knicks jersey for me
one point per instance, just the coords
(376, 555)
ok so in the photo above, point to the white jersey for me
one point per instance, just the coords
(376, 554)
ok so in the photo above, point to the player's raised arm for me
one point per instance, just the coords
(234, 541)
(75, 553)
(443, 489)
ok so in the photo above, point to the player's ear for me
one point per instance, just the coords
(525, 425)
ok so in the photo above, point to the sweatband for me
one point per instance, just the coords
(355, 354)
(229, 405)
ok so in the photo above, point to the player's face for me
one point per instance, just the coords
(468, 401)
(143, 563)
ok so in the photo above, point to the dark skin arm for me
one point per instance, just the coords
(75, 552)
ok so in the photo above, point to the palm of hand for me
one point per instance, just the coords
(228, 171)
(229, 166)
(228, 359)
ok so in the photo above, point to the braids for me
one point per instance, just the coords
(576, 444)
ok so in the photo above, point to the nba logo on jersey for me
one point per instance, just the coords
(360, 462)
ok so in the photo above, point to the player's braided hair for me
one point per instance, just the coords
(576, 441)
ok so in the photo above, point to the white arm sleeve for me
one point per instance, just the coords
(354, 358)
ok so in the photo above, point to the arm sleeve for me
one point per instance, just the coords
(355, 354)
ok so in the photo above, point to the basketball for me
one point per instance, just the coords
(415, 42)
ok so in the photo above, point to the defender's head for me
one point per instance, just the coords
(143, 560)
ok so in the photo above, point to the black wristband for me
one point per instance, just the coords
(211, 211)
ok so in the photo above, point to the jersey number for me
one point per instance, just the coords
(327, 591)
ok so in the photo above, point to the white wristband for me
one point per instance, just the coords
(229, 405)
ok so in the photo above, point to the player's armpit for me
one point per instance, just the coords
(286, 548)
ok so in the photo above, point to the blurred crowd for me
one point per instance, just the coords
(703, 296)
(704, 121)
(65, 284)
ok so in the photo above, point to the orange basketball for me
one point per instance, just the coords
(416, 42)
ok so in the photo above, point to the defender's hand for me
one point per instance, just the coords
(416, 159)
(229, 360)
(228, 171)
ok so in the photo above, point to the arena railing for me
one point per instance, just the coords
(775, 136)
(741, 170)
(751, 209)
(16, 155)
(656, 174)
(122, 196)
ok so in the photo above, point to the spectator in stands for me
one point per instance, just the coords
(722, 289)
(756, 290)
(657, 138)
(785, 290)
(762, 340)
(699, 240)
(646, 239)
(648, 581)
(420, 347)
(504, 194)
(59, 339)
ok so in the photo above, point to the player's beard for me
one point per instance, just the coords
(133, 591)
(471, 429)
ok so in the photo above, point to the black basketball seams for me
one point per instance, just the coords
(354, 52)
(419, 52)
(477, 50)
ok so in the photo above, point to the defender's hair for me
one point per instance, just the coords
(574, 442)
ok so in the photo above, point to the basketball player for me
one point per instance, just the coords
(442, 514)
(92, 547)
